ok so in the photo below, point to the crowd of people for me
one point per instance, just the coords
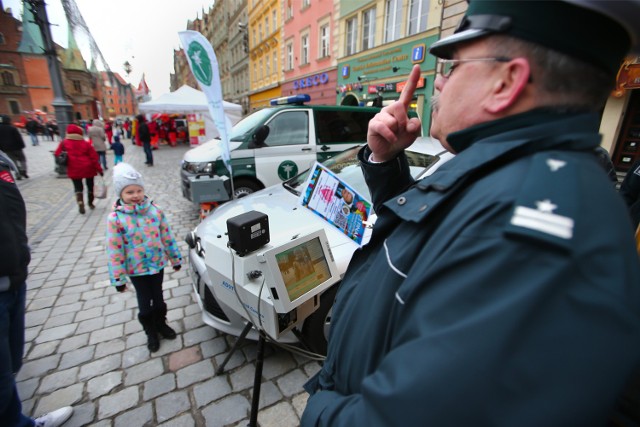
(85, 158)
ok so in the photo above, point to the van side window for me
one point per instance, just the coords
(342, 126)
(288, 128)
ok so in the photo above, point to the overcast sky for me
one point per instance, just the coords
(143, 32)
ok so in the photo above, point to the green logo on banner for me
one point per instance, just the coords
(200, 63)
(287, 169)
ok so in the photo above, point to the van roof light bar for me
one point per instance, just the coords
(288, 100)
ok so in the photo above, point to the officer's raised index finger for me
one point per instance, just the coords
(407, 92)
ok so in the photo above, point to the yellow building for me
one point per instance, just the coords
(265, 39)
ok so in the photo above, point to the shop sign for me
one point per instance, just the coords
(318, 79)
(401, 85)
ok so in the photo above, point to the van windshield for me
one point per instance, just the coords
(249, 123)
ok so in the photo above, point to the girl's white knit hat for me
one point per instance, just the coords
(123, 175)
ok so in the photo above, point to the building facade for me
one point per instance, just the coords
(379, 42)
(26, 87)
(265, 39)
(13, 91)
(309, 50)
(238, 53)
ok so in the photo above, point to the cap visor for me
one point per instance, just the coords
(443, 47)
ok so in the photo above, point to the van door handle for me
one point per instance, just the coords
(325, 148)
(307, 149)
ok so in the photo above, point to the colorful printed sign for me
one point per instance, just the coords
(336, 202)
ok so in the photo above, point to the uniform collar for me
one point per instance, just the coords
(517, 136)
(493, 144)
(463, 139)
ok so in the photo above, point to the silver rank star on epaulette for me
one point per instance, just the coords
(543, 219)
(545, 210)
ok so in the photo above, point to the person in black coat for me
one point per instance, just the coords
(14, 260)
(630, 192)
(145, 137)
(12, 144)
(32, 128)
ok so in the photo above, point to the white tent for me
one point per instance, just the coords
(188, 100)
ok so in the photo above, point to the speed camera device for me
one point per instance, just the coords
(248, 232)
(277, 286)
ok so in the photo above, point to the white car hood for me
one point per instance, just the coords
(208, 152)
(287, 218)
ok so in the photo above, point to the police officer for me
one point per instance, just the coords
(503, 290)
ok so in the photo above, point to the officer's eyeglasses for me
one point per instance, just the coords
(448, 65)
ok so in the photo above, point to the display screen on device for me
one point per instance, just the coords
(303, 267)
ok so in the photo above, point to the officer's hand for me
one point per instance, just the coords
(177, 267)
(121, 288)
(391, 130)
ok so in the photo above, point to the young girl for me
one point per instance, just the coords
(138, 238)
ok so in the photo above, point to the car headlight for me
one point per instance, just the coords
(198, 167)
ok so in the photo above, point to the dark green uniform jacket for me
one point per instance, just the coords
(503, 290)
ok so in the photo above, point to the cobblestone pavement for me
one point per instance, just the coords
(84, 346)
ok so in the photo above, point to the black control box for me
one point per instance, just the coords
(248, 232)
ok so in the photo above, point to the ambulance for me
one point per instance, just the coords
(272, 145)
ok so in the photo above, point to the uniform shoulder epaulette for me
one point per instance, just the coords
(547, 205)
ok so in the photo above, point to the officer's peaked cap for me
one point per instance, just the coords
(599, 32)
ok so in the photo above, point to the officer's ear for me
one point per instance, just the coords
(510, 87)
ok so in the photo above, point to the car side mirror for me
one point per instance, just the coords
(258, 138)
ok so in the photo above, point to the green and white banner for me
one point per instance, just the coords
(204, 66)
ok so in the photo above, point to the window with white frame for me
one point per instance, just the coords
(289, 9)
(290, 56)
(352, 35)
(304, 49)
(255, 72)
(274, 19)
(306, 3)
(392, 20)
(260, 31)
(267, 62)
(260, 69)
(418, 14)
(324, 41)
(368, 28)
(266, 26)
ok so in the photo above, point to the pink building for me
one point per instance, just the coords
(309, 60)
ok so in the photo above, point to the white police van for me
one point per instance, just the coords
(271, 146)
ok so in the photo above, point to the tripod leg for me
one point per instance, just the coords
(239, 341)
(257, 382)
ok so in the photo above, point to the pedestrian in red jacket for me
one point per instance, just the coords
(82, 164)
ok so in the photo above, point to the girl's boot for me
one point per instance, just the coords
(90, 200)
(149, 326)
(80, 201)
(161, 323)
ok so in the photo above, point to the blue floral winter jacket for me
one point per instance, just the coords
(138, 238)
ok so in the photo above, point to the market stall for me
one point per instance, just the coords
(192, 105)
